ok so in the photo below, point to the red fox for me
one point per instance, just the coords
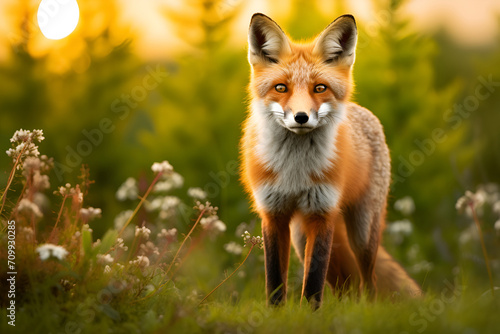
(316, 165)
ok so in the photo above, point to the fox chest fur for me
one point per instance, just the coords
(297, 166)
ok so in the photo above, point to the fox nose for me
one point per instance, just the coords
(301, 117)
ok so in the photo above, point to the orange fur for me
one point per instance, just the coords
(320, 180)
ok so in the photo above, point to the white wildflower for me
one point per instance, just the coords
(497, 226)
(142, 232)
(169, 182)
(141, 261)
(207, 208)
(241, 228)
(96, 243)
(31, 164)
(80, 196)
(122, 218)
(220, 226)
(26, 206)
(233, 248)
(248, 239)
(464, 201)
(90, 213)
(40, 181)
(107, 269)
(148, 249)
(104, 259)
(423, 266)
(120, 245)
(25, 135)
(399, 229)
(46, 251)
(489, 192)
(42, 201)
(405, 205)
(404, 227)
(475, 201)
(162, 167)
(197, 193)
(165, 203)
(213, 223)
(169, 235)
(23, 141)
(86, 227)
(128, 190)
(62, 190)
(496, 207)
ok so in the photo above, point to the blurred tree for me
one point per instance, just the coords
(66, 88)
(196, 127)
(395, 79)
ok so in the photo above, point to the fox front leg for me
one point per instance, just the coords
(317, 257)
(276, 233)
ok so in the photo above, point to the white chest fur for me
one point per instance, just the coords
(295, 159)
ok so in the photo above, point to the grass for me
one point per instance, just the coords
(149, 277)
(167, 313)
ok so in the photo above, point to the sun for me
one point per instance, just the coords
(58, 18)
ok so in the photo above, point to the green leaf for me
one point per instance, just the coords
(87, 242)
(108, 241)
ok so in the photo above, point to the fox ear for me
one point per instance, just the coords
(337, 43)
(266, 41)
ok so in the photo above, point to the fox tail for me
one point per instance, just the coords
(392, 278)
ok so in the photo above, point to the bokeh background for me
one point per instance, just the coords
(139, 82)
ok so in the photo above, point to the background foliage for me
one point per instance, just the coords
(193, 116)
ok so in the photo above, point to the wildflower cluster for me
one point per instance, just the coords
(29, 208)
(405, 205)
(474, 205)
(23, 145)
(134, 256)
(128, 190)
(142, 232)
(399, 233)
(169, 181)
(70, 191)
(248, 239)
(197, 193)
(90, 213)
(162, 167)
(48, 250)
(487, 195)
(206, 207)
(212, 223)
(233, 248)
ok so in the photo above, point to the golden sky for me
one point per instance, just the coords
(467, 21)
(471, 22)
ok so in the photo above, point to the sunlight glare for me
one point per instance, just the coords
(57, 18)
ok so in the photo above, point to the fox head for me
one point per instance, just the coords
(301, 86)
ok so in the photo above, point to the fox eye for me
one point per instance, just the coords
(281, 88)
(319, 88)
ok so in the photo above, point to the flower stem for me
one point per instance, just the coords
(228, 276)
(58, 218)
(11, 178)
(483, 246)
(184, 241)
(143, 198)
(173, 260)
